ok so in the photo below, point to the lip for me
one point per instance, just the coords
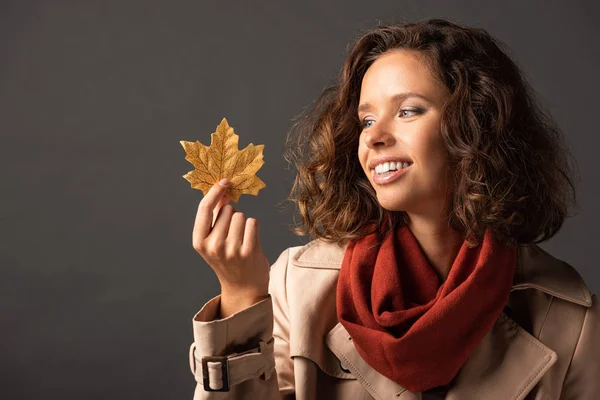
(382, 180)
(380, 160)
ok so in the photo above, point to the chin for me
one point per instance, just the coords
(395, 204)
(393, 208)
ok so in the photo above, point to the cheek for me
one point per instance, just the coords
(431, 150)
(362, 155)
(436, 166)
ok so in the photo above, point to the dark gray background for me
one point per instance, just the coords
(98, 278)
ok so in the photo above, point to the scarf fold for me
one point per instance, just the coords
(408, 325)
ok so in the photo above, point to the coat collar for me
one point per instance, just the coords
(535, 269)
(508, 362)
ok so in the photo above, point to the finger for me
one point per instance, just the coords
(204, 215)
(224, 200)
(221, 228)
(236, 229)
(251, 241)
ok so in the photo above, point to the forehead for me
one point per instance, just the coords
(400, 71)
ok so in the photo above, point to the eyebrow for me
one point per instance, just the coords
(396, 98)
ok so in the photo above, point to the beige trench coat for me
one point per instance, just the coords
(544, 346)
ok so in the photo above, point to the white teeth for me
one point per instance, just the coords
(390, 166)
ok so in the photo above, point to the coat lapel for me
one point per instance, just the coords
(508, 362)
(506, 365)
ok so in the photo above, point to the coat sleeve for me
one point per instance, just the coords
(250, 347)
(582, 381)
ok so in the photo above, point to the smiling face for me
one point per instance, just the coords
(406, 127)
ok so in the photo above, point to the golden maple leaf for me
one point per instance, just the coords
(223, 159)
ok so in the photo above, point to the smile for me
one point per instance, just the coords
(390, 176)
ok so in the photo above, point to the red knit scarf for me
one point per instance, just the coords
(406, 325)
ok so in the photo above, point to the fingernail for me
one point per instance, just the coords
(224, 182)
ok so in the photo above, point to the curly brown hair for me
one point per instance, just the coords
(510, 167)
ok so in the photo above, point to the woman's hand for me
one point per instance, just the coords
(229, 243)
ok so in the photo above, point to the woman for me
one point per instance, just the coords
(426, 176)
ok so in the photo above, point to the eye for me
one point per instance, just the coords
(416, 111)
(365, 123)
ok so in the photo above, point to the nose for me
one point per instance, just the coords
(380, 134)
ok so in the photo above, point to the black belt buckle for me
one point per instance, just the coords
(225, 374)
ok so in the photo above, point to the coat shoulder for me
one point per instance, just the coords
(318, 253)
(538, 269)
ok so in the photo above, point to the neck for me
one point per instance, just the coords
(438, 240)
